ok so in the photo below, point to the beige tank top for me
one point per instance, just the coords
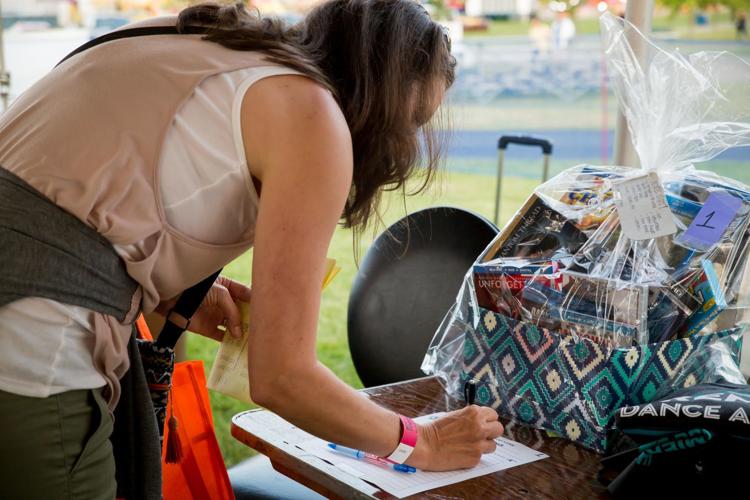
(89, 136)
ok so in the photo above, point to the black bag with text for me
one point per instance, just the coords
(691, 443)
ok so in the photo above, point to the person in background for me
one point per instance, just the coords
(563, 31)
(539, 33)
(165, 157)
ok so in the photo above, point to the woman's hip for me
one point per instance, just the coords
(56, 447)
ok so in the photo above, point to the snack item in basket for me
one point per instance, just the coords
(591, 193)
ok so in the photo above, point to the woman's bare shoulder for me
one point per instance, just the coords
(292, 113)
(294, 95)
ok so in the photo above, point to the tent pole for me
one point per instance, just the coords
(640, 14)
(4, 75)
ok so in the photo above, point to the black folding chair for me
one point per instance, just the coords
(406, 283)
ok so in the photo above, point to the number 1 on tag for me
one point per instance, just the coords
(711, 222)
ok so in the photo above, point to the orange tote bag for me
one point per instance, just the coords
(200, 473)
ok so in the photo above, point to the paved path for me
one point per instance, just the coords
(568, 144)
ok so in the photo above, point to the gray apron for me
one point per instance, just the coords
(47, 252)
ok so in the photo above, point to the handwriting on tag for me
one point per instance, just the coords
(642, 207)
(712, 221)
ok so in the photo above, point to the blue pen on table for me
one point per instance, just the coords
(361, 455)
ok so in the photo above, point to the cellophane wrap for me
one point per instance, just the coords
(615, 286)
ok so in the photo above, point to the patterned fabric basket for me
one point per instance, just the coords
(540, 378)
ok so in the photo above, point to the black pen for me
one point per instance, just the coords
(470, 391)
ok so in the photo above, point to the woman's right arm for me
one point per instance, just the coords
(298, 144)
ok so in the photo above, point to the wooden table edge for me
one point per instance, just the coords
(318, 480)
(328, 480)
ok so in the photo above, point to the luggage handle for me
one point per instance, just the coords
(523, 140)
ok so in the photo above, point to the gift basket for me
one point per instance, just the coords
(615, 286)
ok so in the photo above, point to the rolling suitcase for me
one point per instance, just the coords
(502, 145)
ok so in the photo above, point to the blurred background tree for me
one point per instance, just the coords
(438, 9)
(680, 5)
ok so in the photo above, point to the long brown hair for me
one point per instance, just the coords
(383, 60)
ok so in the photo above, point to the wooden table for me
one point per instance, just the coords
(569, 472)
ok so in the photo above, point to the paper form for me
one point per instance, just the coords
(280, 433)
(508, 454)
(273, 428)
(229, 371)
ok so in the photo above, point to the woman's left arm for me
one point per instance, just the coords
(298, 143)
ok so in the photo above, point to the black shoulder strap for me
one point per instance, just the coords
(132, 32)
(178, 318)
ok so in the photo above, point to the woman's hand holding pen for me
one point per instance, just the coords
(457, 440)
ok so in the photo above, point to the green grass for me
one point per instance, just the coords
(719, 27)
(470, 191)
(517, 27)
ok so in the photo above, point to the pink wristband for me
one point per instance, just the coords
(408, 441)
